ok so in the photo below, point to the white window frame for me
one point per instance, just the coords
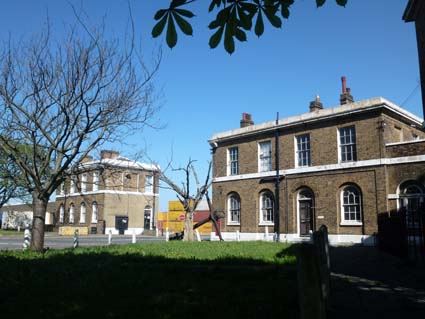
(231, 199)
(299, 152)
(95, 181)
(84, 183)
(71, 213)
(61, 214)
(149, 181)
(264, 160)
(83, 211)
(358, 205)
(231, 160)
(95, 213)
(343, 146)
(72, 185)
(261, 205)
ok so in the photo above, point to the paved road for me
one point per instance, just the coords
(368, 283)
(59, 242)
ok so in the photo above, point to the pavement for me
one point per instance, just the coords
(368, 283)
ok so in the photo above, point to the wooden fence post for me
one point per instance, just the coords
(320, 241)
(311, 302)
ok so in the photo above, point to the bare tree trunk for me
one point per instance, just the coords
(39, 209)
(188, 227)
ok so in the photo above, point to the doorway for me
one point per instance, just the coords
(306, 212)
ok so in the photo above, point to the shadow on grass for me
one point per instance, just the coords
(108, 285)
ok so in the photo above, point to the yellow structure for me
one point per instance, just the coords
(69, 230)
(174, 219)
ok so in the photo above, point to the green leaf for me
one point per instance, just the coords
(215, 3)
(223, 16)
(285, 12)
(185, 13)
(240, 35)
(183, 24)
(341, 2)
(249, 7)
(214, 24)
(320, 3)
(216, 38)
(229, 42)
(171, 32)
(177, 3)
(159, 14)
(259, 25)
(245, 20)
(273, 18)
(159, 27)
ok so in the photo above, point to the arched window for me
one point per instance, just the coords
(351, 208)
(82, 213)
(233, 209)
(411, 199)
(148, 217)
(71, 213)
(266, 208)
(94, 213)
(61, 214)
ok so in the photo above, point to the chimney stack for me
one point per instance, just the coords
(104, 154)
(316, 105)
(346, 96)
(246, 120)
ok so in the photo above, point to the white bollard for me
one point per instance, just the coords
(198, 236)
(156, 232)
(110, 237)
(266, 234)
(133, 240)
(76, 239)
(27, 239)
(167, 234)
(237, 236)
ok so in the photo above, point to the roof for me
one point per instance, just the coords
(412, 10)
(120, 162)
(311, 117)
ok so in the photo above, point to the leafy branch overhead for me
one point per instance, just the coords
(233, 20)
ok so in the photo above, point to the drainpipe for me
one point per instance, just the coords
(277, 183)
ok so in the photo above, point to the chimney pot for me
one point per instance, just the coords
(346, 96)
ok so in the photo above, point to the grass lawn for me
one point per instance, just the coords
(10, 232)
(152, 280)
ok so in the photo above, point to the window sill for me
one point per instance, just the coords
(351, 223)
(266, 224)
(233, 224)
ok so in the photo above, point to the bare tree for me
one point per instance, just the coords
(189, 202)
(63, 98)
(11, 183)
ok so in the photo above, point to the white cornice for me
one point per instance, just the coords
(107, 191)
(323, 168)
(311, 117)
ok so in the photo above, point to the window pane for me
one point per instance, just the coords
(267, 211)
(265, 157)
(347, 141)
(351, 204)
(233, 161)
(303, 150)
(234, 209)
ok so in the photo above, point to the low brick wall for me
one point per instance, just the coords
(69, 230)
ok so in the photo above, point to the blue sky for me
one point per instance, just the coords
(205, 91)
